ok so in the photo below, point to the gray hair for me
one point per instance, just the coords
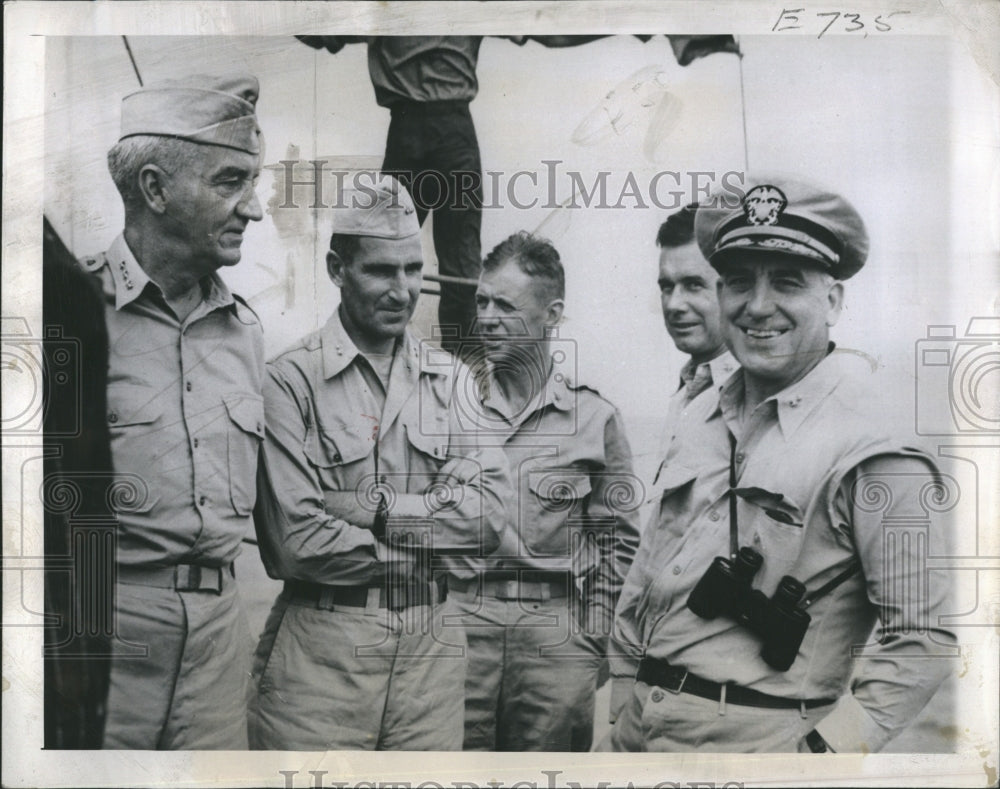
(536, 257)
(127, 157)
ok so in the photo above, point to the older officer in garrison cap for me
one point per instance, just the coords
(185, 413)
(751, 651)
(366, 480)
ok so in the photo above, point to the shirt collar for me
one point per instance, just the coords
(557, 392)
(794, 402)
(721, 367)
(131, 279)
(339, 350)
(128, 276)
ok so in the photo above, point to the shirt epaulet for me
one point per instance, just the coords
(576, 386)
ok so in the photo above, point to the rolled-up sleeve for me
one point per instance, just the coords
(296, 536)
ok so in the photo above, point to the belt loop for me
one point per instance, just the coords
(325, 599)
(545, 591)
(375, 594)
(722, 699)
(802, 709)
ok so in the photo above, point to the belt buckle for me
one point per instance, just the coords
(679, 686)
(507, 590)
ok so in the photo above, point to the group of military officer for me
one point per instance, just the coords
(459, 547)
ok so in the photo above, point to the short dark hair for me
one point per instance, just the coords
(345, 246)
(535, 256)
(678, 230)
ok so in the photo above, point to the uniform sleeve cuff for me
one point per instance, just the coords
(850, 729)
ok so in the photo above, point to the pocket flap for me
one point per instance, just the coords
(434, 445)
(775, 505)
(672, 477)
(133, 404)
(325, 450)
(247, 411)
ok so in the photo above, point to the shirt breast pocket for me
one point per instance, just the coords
(672, 492)
(775, 526)
(335, 446)
(134, 417)
(556, 495)
(246, 431)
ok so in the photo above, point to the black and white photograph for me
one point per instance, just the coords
(508, 394)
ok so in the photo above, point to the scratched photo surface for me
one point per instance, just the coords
(590, 146)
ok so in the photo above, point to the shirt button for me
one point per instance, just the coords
(188, 386)
(740, 457)
(337, 458)
(383, 479)
(202, 500)
(196, 443)
(657, 696)
(112, 417)
(259, 427)
(677, 570)
(713, 516)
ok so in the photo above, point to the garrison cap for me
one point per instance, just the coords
(211, 110)
(783, 217)
(380, 209)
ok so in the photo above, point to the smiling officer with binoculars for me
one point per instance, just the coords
(794, 468)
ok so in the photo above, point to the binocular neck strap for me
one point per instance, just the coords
(734, 529)
(853, 568)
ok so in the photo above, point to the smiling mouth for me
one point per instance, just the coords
(762, 334)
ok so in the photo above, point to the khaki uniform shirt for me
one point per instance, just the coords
(185, 416)
(695, 380)
(324, 421)
(577, 498)
(804, 461)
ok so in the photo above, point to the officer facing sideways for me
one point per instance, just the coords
(766, 566)
(539, 609)
(185, 413)
(366, 481)
(690, 307)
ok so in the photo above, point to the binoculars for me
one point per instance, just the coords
(779, 621)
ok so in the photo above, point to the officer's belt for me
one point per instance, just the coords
(533, 585)
(182, 577)
(676, 679)
(394, 596)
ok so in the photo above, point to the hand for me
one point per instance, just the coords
(458, 472)
(621, 692)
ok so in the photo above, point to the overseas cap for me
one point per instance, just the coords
(382, 209)
(783, 217)
(212, 110)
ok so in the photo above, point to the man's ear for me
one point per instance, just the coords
(835, 300)
(335, 267)
(153, 188)
(554, 312)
